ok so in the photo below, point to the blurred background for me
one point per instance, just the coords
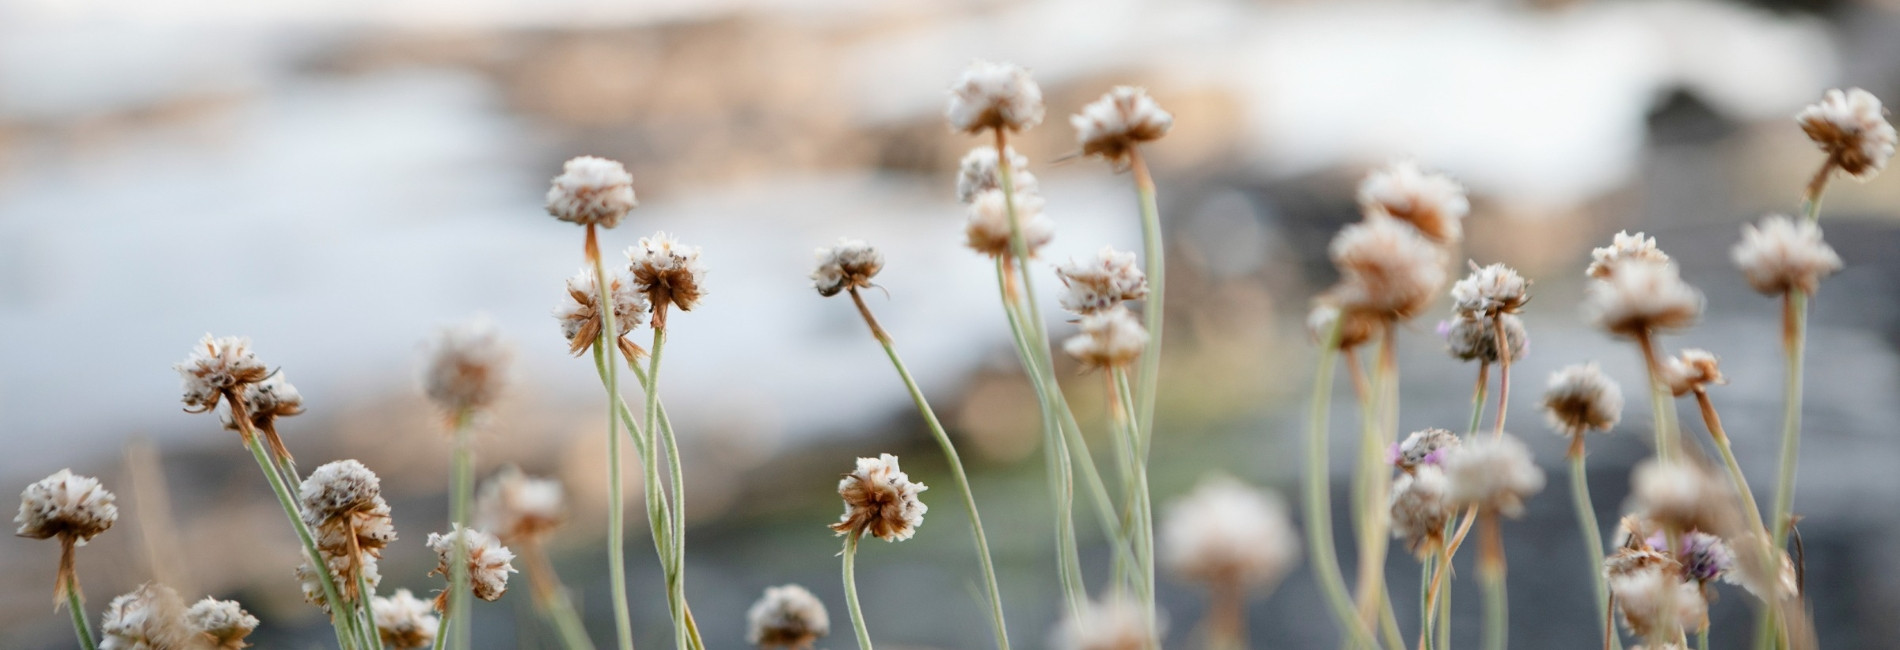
(337, 179)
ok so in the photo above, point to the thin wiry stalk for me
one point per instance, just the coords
(462, 490)
(1662, 404)
(675, 515)
(1439, 596)
(610, 380)
(1319, 516)
(1592, 535)
(851, 590)
(1379, 412)
(77, 607)
(1152, 312)
(1491, 573)
(441, 633)
(1477, 397)
(1056, 454)
(1142, 506)
(675, 564)
(1425, 602)
(1794, 341)
(1504, 371)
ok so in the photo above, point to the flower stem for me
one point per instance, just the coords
(1661, 404)
(1377, 411)
(1592, 537)
(616, 524)
(676, 551)
(1794, 340)
(1140, 503)
(851, 590)
(1152, 311)
(462, 490)
(1319, 516)
(1491, 573)
(956, 468)
(77, 606)
(1478, 397)
(1504, 371)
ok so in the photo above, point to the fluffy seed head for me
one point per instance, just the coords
(1110, 127)
(1110, 339)
(987, 231)
(1114, 624)
(1476, 339)
(267, 400)
(1679, 496)
(1386, 269)
(1102, 283)
(518, 507)
(1420, 508)
(592, 191)
(668, 272)
(343, 505)
(337, 489)
(489, 563)
(1659, 601)
(1581, 398)
(467, 367)
(978, 173)
(1489, 291)
(579, 313)
(1851, 126)
(1493, 473)
(880, 500)
(150, 618)
(222, 624)
(217, 365)
(1691, 370)
(1624, 246)
(1783, 254)
(849, 265)
(1433, 203)
(404, 621)
(1641, 297)
(1228, 532)
(994, 96)
(786, 617)
(1423, 447)
(65, 505)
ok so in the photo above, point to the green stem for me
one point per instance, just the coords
(1478, 397)
(1491, 573)
(1592, 539)
(441, 632)
(1152, 311)
(671, 444)
(1794, 339)
(462, 491)
(1662, 404)
(1319, 516)
(851, 590)
(1141, 504)
(1378, 409)
(675, 564)
(1702, 639)
(610, 378)
(1425, 601)
(346, 629)
(78, 609)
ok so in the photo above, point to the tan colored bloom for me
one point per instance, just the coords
(1110, 127)
(880, 500)
(1659, 601)
(66, 505)
(1851, 126)
(266, 400)
(849, 265)
(1680, 496)
(342, 503)
(1228, 532)
(215, 366)
(994, 96)
(1420, 508)
(1581, 398)
(1358, 328)
(467, 367)
(518, 507)
(489, 563)
(1386, 269)
(580, 312)
(1110, 339)
(1783, 254)
(1423, 447)
(1490, 291)
(1493, 473)
(150, 618)
(1476, 339)
(787, 617)
(1102, 283)
(988, 230)
(1692, 370)
(1114, 624)
(978, 173)
(669, 273)
(592, 191)
(1642, 297)
(221, 624)
(404, 621)
(1623, 246)
(1433, 203)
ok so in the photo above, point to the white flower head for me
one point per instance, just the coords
(1641, 297)
(849, 265)
(337, 489)
(65, 505)
(988, 230)
(1494, 474)
(1386, 269)
(1228, 532)
(978, 173)
(1691, 370)
(592, 191)
(786, 617)
(223, 623)
(994, 96)
(1114, 624)
(1624, 246)
(669, 273)
(150, 618)
(1783, 254)
(266, 400)
(342, 503)
(1110, 339)
(1490, 291)
(217, 365)
(1433, 203)
(1851, 126)
(579, 313)
(1476, 339)
(1420, 507)
(1658, 601)
(1110, 127)
(1581, 398)
(489, 563)
(1102, 283)
(467, 367)
(519, 507)
(1423, 447)
(403, 621)
(880, 500)
(1678, 495)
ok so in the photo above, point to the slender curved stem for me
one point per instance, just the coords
(1377, 411)
(1592, 536)
(77, 606)
(1152, 311)
(1438, 598)
(675, 550)
(1478, 397)
(1504, 371)
(610, 380)
(851, 590)
(1141, 504)
(1662, 404)
(1425, 601)
(1319, 516)
(346, 629)
(441, 632)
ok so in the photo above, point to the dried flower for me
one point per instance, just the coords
(1581, 398)
(988, 230)
(489, 563)
(1494, 474)
(786, 617)
(1386, 269)
(881, 500)
(518, 507)
(1423, 447)
(266, 400)
(580, 312)
(669, 273)
(1101, 284)
(1228, 532)
(1433, 203)
(1852, 128)
(1641, 297)
(65, 505)
(1623, 246)
(1703, 557)
(221, 623)
(1110, 127)
(994, 96)
(1783, 255)
(849, 265)
(1658, 601)
(1476, 339)
(1490, 291)
(404, 621)
(467, 367)
(1358, 328)
(1110, 339)
(343, 505)
(1751, 573)
(1692, 370)
(592, 191)
(1679, 496)
(217, 365)
(978, 173)
(1420, 509)
(1114, 624)
(150, 618)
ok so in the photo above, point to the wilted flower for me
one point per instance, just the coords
(222, 623)
(1358, 328)
(65, 505)
(1433, 203)
(1476, 339)
(994, 96)
(1102, 283)
(1624, 246)
(404, 621)
(978, 173)
(786, 617)
(669, 273)
(849, 265)
(580, 312)
(1386, 269)
(342, 503)
(1490, 291)
(1110, 127)
(988, 230)
(466, 368)
(150, 618)
(1115, 624)
(1110, 339)
(1641, 297)
(1852, 128)
(489, 563)
(1227, 532)
(592, 191)
(1420, 509)
(880, 500)
(1581, 398)
(1423, 447)
(1679, 496)
(266, 400)
(1782, 255)
(518, 507)
(217, 365)
(1494, 474)
(1658, 601)
(1752, 572)
(1692, 370)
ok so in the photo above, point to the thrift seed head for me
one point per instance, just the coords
(343, 505)
(1642, 297)
(1623, 246)
(1101, 284)
(1490, 291)
(519, 507)
(216, 365)
(1476, 339)
(1494, 474)
(1110, 339)
(1581, 398)
(65, 505)
(580, 312)
(987, 231)
(150, 618)
(1110, 127)
(1114, 624)
(668, 272)
(786, 617)
(994, 96)
(978, 173)
(592, 191)
(1433, 203)
(1851, 126)
(1659, 601)
(1703, 557)
(1420, 509)
(222, 623)
(1228, 532)
(880, 500)
(1694, 369)
(1783, 254)
(1386, 269)
(489, 563)
(1678, 496)
(850, 264)
(1423, 447)
(467, 367)
(404, 621)
(266, 400)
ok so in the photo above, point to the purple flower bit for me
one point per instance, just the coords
(1704, 557)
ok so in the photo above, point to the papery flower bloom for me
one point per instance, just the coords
(994, 96)
(222, 624)
(518, 507)
(1783, 254)
(1433, 203)
(579, 314)
(880, 500)
(342, 503)
(1110, 127)
(404, 621)
(1678, 495)
(66, 505)
(1494, 474)
(669, 273)
(1703, 557)
(1642, 297)
(978, 173)
(1114, 624)
(1358, 327)
(150, 618)
(592, 191)
(1102, 283)
(489, 563)
(1692, 370)
(987, 230)
(1851, 126)
(1420, 509)
(1624, 246)
(466, 368)
(1490, 291)
(849, 265)
(217, 365)
(1228, 532)
(1476, 339)
(1581, 398)
(1423, 447)
(266, 400)
(787, 617)
(1110, 339)
(1658, 601)
(1386, 269)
